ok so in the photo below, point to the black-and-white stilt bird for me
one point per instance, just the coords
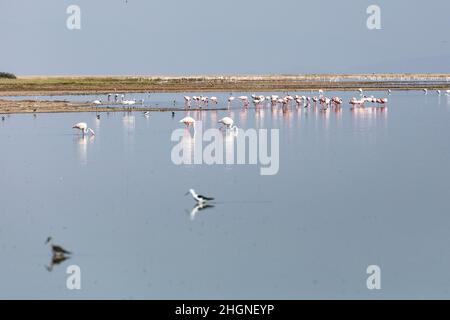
(57, 250)
(198, 197)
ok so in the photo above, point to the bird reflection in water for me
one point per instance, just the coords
(59, 254)
(367, 112)
(82, 143)
(199, 207)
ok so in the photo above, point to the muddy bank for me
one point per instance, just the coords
(33, 106)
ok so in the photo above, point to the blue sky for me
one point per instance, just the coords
(175, 37)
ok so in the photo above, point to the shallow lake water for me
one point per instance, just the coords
(354, 189)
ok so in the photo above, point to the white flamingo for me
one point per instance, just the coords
(355, 101)
(82, 126)
(188, 121)
(228, 122)
(97, 102)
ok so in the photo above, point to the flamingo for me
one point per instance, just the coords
(355, 101)
(214, 99)
(244, 100)
(228, 122)
(97, 102)
(369, 99)
(337, 101)
(188, 121)
(82, 126)
(382, 101)
(204, 100)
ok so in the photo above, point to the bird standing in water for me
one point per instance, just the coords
(82, 126)
(59, 254)
(56, 250)
(198, 197)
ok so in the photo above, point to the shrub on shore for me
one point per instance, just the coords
(6, 75)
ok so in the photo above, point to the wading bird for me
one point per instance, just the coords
(56, 250)
(355, 101)
(188, 121)
(228, 123)
(198, 197)
(59, 254)
(82, 126)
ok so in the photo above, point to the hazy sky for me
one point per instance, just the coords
(223, 37)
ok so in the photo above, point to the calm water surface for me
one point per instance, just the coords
(354, 189)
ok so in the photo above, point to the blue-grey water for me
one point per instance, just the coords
(354, 188)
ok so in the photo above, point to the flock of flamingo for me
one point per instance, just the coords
(257, 100)
(285, 101)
